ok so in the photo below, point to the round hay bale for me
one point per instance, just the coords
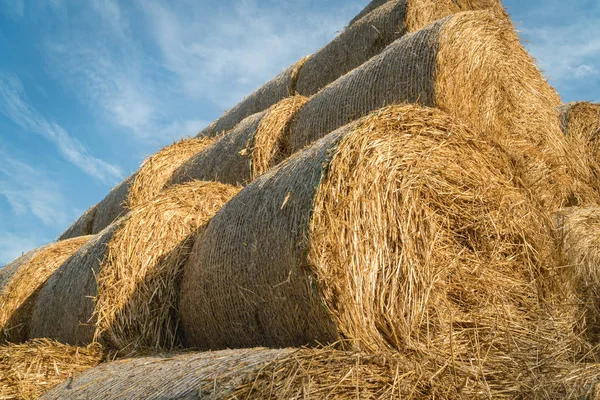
(138, 278)
(64, 306)
(283, 85)
(9, 270)
(29, 370)
(472, 66)
(261, 374)
(401, 231)
(17, 300)
(580, 122)
(121, 288)
(382, 23)
(157, 169)
(253, 146)
(579, 229)
(113, 206)
(82, 227)
(368, 8)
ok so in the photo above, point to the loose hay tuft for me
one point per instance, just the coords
(29, 370)
(18, 298)
(138, 278)
(157, 169)
(270, 140)
(404, 231)
(421, 13)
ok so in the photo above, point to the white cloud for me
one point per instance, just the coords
(13, 105)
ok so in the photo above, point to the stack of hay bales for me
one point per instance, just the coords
(403, 186)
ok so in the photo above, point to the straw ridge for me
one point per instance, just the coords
(138, 279)
(29, 370)
(17, 300)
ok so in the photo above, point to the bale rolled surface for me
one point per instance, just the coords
(29, 370)
(17, 300)
(270, 93)
(247, 151)
(121, 287)
(472, 66)
(82, 227)
(261, 374)
(113, 206)
(580, 121)
(368, 36)
(402, 231)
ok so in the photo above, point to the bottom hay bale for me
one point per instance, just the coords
(18, 298)
(30, 369)
(122, 289)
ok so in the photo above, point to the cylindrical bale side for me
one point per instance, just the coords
(368, 8)
(121, 289)
(384, 233)
(262, 374)
(82, 227)
(18, 299)
(580, 122)
(276, 89)
(9, 270)
(113, 206)
(472, 66)
(65, 304)
(248, 150)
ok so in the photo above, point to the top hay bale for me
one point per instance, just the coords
(380, 24)
(20, 294)
(472, 66)
(402, 231)
(580, 121)
(121, 288)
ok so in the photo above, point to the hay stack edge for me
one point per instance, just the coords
(408, 213)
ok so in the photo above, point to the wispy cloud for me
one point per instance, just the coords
(14, 105)
(13, 8)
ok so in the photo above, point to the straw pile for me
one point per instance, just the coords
(30, 369)
(383, 22)
(506, 98)
(138, 278)
(253, 146)
(276, 89)
(403, 231)
(82, 227)
(17, 300)
(157, 169)
(580, 240)
(64, 305)
(261, 374)
(121, 287)
(581, 124)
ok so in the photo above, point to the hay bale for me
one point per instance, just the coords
(472, 66)
(65, 304)
(28, 370)
(367, 37)
(113, 206)
(82, 227)
(270, 93)
(368, 8)
(247, 151)
(17, 300)
(9, 270)
(580, 122)
(579, 233)
(157, 169)
(138, 278)
(402, 231)
(121, 288)
(261, 374)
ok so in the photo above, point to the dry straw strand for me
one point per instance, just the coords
(30, 369)
(157, 169)
(17, 300)
(270, 140)
(137, 281)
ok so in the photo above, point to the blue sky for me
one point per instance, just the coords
(88, 89)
